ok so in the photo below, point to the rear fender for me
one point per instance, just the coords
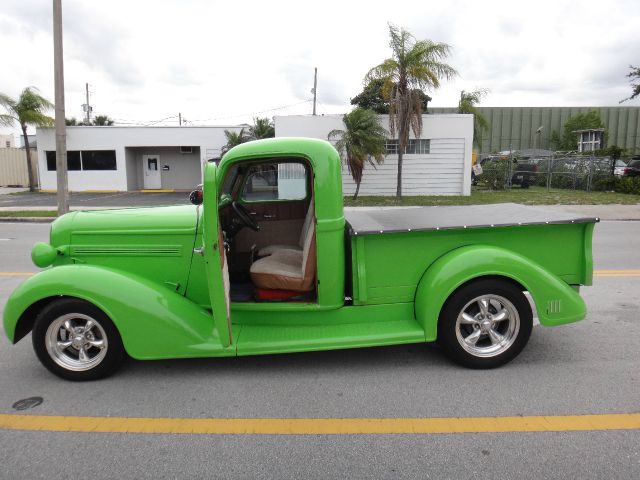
(556, 302)
(154, 321)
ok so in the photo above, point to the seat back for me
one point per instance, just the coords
(309, 263)
(309, 219)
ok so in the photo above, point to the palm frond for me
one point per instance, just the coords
(7, 120)
(387, 70)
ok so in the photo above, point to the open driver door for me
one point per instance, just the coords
(215, 257)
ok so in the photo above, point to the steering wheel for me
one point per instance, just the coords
(244, 216)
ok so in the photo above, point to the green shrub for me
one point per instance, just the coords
(619, 184)
(494, 175)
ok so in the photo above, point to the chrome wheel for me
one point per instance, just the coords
(76, 342)
(487, 326)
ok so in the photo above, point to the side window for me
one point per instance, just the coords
(275, 181)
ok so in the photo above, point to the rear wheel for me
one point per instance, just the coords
(77, 341)
(485, 323)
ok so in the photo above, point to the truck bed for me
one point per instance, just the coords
(391, 249)
(410, 219)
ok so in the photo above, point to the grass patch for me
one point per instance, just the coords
(30, 213)
(530, 196)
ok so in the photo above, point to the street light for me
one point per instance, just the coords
(538, 135)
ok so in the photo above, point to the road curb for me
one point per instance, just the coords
(27, 219)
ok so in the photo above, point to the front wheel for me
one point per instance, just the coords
(77, 341)
(485, 323)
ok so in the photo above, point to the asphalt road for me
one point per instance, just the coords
(26, 200)
(590, 367)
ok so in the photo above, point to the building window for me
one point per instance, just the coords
(590, 140)
(391, 146)
(99, 160)
(419, 146)
(85, 160)
(8, 144)
(73, 160)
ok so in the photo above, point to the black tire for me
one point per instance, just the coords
(49, 336)
(456, 334)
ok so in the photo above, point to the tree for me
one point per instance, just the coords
(582, 121)
(102, 121)
(262, 128)
(234, 139)
(28, 109)
(98, 121)
(363, 139)
(414, 65)
(468, 102)
(634, 74)
(373, 97)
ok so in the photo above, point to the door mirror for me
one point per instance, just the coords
(195, 197)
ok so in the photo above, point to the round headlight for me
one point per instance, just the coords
(43, 254)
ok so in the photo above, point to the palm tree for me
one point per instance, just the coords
(363, 138)
(234, 138)
(414, 65)
(28, 109)
(468, 102)
(262, 128)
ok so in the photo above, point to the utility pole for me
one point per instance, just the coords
(180, 119)
(315, 88)
(61, 136)
(87, 106)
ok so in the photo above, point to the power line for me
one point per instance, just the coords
(253, 113)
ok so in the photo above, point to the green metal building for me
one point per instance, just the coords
(515, 128)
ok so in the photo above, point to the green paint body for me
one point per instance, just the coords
(138, 265)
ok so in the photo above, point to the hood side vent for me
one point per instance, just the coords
(137, 250)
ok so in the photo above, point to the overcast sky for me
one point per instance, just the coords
(223, 62)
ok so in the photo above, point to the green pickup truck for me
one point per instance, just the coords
(267, 261)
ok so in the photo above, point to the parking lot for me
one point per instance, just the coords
(587, 368)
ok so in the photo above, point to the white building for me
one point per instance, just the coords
(150, 158)
(130, 158)
(439, 163)
(7, 141)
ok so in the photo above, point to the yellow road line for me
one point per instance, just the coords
(16, 274)
(625, 270)
(321, 426)
(616, 275)
(629, 272)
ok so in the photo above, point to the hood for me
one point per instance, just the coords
(180, 219)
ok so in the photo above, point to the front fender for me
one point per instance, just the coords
(154, 321)
(556, 302)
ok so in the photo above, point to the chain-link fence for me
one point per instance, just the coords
(568, 171)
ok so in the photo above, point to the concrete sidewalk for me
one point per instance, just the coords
(603, 212)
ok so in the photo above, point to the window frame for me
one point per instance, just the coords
(247, 176)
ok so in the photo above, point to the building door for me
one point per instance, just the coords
(151, 167)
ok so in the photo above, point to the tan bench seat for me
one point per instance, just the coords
(288, 269)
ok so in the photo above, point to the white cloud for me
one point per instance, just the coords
(224, 62)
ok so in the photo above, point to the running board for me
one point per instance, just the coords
(267, 339)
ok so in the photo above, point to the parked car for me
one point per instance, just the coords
(619, 167)
(523, 173)
(183, 281)
(632, 169)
